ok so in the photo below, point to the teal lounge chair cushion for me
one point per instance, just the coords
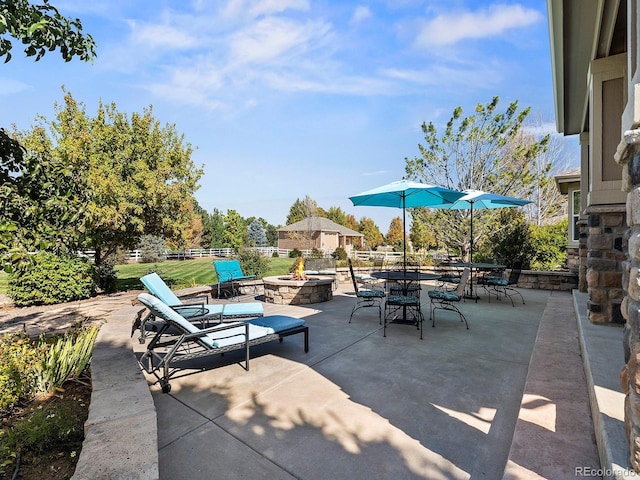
(278, 323)
(223, 338)
(253, 309)
(158, 288)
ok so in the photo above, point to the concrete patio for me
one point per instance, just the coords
(359, 405)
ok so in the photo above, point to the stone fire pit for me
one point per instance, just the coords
(284, 290)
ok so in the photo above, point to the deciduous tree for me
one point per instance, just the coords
(302, 209)
(395, 233)
(336, 214)
(371, 232)
(138, 175)
(488, 151)
(235, 232)
(40, 28)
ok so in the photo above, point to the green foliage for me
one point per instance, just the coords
(295, 253)
(253, 263)
(66, 359)
(51, 279)
(257, 234)
(106, 276)
(513, 240)
(41, 28)
(18, 356)
(29, 367)
(152, 249)
(371, 232)
(315, 253)
(302, 209)
(549, 245)
(138, 175)
(487, 150)
(47, 430)
(42, 200)
(395, 234)
(275, 255)
(339, 254)
(235, 232)
(337, 215)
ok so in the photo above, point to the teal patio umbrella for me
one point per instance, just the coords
(407, 194)
(479, 200)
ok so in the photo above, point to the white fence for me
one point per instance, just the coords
(135, 255)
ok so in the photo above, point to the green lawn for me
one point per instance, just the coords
(179, 274)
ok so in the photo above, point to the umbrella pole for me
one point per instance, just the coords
(404, 235)
(471, 254)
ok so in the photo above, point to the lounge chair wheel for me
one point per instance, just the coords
(166, 387)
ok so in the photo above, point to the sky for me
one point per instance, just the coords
(286, 98)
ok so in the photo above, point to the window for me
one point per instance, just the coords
(575, 215)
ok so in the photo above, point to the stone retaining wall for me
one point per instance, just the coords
(564, 281)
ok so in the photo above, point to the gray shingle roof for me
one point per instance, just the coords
(319, 223)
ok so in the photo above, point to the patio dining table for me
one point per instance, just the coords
(405, 279)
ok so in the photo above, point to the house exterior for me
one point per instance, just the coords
(568, 184)
(320, 233)
(596, 78)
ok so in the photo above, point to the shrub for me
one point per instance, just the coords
(29, 367)
(512, 241)
(315, 253)
(106, 276)
(295, 253)
(50, 279)
(65, 359)
(18, 355)
(152, 249)
(253, 263)
(47, 430)
(339, 254)
(549, 246)
(275, 255)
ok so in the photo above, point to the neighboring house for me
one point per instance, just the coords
(569, 184)
(595, 57)
(320, 233)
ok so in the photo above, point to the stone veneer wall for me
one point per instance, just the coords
(629, 155)
(606, 228)
(564, 281)
(582, 254)
(303, 294)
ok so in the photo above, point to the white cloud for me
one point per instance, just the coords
(450, 28)
(162, 36)
(257, 8)
(272, 38)
(447, 76)
(9, 86)
(360, 14)
(269, 7)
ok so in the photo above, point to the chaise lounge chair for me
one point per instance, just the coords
(191, 342)
(201, 313)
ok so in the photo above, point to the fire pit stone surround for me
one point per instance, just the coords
(284, 290)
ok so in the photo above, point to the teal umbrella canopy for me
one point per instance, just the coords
(479, 200)
(407, 194)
